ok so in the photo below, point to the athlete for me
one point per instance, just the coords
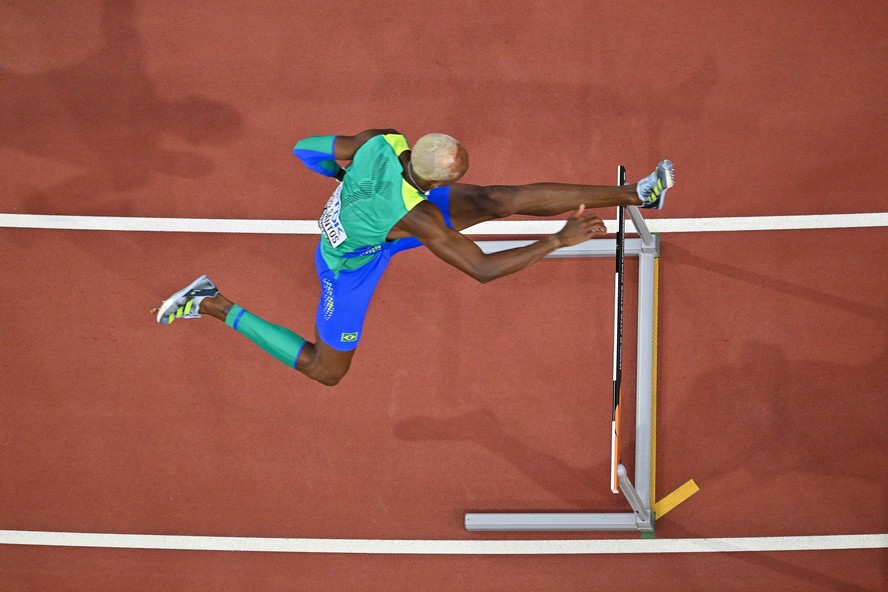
(392, 198)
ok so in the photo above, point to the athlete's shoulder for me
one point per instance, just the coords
(373, 149)
(394, 143)
(397, 142)
(423, 220)
(375, 143)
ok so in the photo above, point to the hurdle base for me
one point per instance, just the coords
(550, 522)
(642, 519)
(557, 522)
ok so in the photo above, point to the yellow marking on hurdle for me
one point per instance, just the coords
(678, 496)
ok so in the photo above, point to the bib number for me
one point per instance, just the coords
(329, 220)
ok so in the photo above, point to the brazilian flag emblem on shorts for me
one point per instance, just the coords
(349, 337)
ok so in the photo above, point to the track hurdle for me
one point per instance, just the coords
(638, 495)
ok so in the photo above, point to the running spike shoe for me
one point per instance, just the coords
(652, 189)
(185, 303)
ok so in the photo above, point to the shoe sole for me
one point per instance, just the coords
(669, 175)
(169, 303)
(669, 170)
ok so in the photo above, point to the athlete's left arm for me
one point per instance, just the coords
(345, 147)
(320, 153)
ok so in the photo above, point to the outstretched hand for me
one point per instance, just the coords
(580, 228)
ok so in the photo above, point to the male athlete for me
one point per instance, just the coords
(392, 198)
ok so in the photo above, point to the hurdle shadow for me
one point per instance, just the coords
(678, 255)
(105, 117)
(481, 427)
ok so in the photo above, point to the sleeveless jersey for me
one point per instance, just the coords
(372, 198)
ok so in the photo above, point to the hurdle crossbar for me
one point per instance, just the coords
(638, 492)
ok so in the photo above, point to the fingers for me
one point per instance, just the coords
(586, 229)
(598, 224)
(580, 228)
(579, 215)
(593, 224)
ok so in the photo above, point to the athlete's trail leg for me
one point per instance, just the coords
(317, 360)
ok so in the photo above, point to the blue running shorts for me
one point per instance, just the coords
(345, 299)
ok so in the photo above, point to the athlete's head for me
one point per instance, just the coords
(439, 159)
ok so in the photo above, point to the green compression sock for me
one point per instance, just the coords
(279, 342)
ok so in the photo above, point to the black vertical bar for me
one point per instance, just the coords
(618, 346)
(621, 246)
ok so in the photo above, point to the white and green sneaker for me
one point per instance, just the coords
(652, 189)
(185, 303)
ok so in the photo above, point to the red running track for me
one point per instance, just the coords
(463, 397)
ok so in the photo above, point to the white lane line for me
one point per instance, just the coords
(442, 547)
(500, 227)
(159, 224)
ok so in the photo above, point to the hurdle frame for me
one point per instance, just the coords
(640, 497)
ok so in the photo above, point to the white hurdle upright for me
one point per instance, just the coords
(638, 495)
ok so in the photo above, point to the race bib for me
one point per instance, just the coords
(329, 220)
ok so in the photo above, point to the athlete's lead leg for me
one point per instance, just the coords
(473, 204)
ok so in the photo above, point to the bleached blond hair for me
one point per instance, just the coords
(433, 157)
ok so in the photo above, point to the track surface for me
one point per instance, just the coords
(463, 397)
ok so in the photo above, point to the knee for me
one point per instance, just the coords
(498, 201)
(324, 374)
(330, 378)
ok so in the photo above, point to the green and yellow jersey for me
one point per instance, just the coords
(373, 197)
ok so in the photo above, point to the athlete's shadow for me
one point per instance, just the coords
(595, 103)
(105, 117)
(482, 428)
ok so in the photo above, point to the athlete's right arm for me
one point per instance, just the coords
(426, 223)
